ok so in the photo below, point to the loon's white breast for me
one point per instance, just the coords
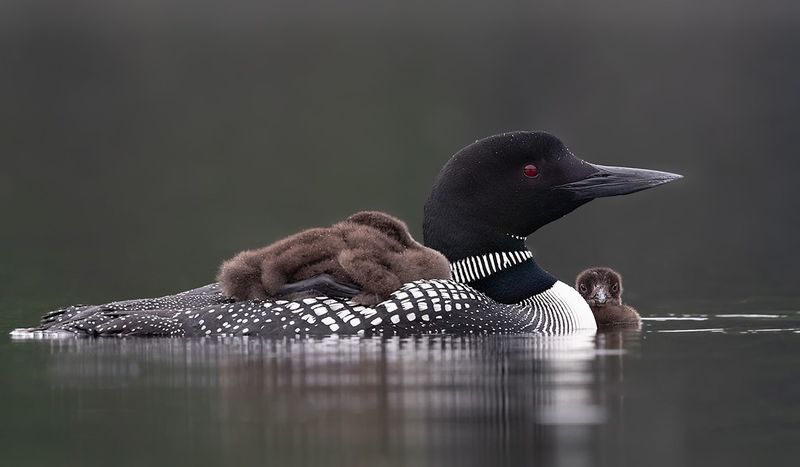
(563, 307)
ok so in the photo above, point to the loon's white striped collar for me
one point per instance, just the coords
(473, 268)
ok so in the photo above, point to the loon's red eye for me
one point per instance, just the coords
(531, 171)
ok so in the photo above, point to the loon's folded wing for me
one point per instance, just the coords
(80, 315)
(322, 284)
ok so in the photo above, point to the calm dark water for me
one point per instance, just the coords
(717, 387)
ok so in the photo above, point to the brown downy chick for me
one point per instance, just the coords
(602, 290)
(372, 250)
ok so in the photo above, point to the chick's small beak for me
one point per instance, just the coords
(601, 296)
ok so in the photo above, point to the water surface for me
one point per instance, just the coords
(714, 388)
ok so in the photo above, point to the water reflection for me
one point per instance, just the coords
(426, 400)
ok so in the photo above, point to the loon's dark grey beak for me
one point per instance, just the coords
(614, 181)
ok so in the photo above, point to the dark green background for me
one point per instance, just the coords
(144, 142)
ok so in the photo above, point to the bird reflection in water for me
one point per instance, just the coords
(475, 400)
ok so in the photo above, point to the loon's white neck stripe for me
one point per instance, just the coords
(473, 268)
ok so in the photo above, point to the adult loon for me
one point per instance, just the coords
(486, 200)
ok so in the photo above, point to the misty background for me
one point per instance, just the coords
(143, 142)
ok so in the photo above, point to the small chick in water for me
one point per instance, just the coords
(602, 290)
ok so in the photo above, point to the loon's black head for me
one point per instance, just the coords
(498, 190)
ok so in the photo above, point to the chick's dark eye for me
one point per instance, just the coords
(583, 287)
(615, 287)
(530, 171)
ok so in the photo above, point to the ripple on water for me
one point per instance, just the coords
(756, 316)
(727, 323)
(675, 318)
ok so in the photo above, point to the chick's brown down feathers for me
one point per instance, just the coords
(372, 250)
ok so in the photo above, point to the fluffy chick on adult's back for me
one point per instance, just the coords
(371, 250)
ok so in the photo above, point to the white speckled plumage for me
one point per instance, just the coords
(437, 306)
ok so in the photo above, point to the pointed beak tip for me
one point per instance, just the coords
(670, 177)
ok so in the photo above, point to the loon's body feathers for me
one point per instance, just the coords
(421, 307)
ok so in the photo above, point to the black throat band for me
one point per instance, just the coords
(506, 277)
